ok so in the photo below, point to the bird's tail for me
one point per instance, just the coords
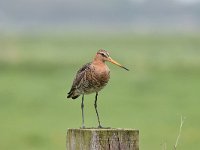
(72, 94)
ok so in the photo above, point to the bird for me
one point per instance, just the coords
(92, 78)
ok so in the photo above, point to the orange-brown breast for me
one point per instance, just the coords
(98, 77)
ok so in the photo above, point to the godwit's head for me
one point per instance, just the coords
(103, 55)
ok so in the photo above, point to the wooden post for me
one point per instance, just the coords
(102, 139)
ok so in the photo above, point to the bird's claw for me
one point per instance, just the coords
(100, 126)
(83, 127)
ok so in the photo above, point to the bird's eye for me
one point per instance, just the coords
(102, 54)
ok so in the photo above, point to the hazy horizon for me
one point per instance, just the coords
(131, 15)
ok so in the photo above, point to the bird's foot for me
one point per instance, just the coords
(101, 127)
(83, 127)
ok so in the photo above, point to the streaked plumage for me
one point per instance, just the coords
(92, 77)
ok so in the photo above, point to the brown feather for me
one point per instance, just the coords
(92, 77)
(78, 82)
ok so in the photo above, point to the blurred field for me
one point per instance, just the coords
(163, 83)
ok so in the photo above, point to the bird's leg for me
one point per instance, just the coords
(95, 106)
(82, 109)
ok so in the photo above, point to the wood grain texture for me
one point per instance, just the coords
(102, 139)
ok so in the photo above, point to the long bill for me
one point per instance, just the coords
(116, 63)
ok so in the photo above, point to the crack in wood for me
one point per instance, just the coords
(118, 143)
(108, 144)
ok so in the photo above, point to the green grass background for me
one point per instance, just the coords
(36, 72)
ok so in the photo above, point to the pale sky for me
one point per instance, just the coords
(188, 1)
(182, 1)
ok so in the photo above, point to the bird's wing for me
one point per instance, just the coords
(80, 75)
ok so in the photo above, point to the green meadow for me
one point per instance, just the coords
(36, 72)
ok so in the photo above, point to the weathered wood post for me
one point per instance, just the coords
(102, 139)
